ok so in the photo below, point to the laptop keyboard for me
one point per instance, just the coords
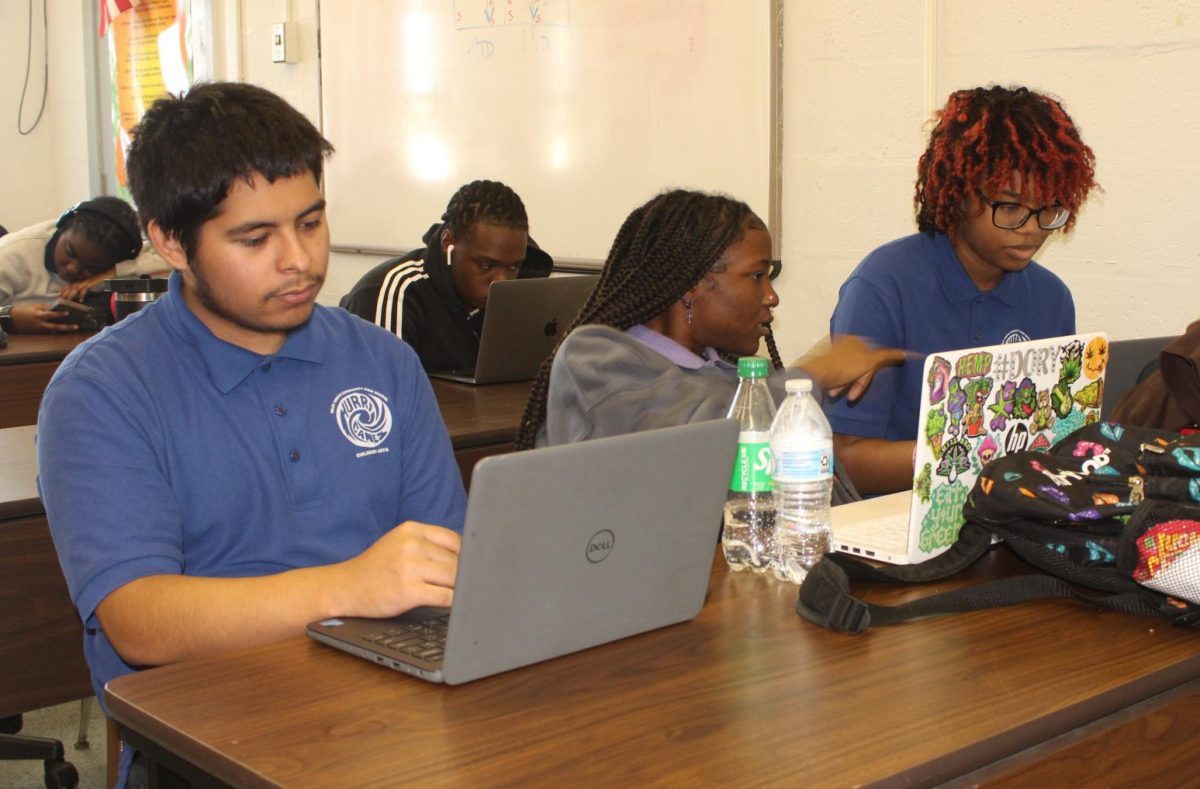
(425, 640)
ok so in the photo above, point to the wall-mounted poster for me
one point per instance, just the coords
(151, 52)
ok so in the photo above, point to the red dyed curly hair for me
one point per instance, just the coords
(982, 136)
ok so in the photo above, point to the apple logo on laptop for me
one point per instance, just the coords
(551, 328)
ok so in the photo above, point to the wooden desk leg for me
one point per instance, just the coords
(113, 747)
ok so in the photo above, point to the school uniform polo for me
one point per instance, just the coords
(913, 293)
(164, 450)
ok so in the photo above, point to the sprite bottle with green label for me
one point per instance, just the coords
(750, 506)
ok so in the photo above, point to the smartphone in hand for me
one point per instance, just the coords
(73, 312)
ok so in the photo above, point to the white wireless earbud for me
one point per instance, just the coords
(449, 252)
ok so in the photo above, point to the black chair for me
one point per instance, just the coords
(59, 773)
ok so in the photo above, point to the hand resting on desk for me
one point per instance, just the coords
(162, 619)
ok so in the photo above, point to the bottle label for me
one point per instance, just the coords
(752, 463)
(804, 462)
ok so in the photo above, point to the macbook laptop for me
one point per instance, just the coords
(616, 538)
(523, 320)
(977, 404)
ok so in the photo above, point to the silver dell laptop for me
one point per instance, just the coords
(616, 538)
(523, 320)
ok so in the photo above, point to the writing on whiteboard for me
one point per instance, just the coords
(475, 14)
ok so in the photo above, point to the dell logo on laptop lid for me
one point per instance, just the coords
(600, 546)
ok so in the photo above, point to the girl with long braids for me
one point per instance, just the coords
(1004, 169)
(684, 291)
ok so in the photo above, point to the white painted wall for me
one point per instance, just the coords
(66, 106)
(26, 196)
(859, 82)
(48, 170)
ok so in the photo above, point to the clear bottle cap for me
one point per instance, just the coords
(798, 385)
(752, 367)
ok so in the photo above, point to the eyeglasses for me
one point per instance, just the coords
(1010, 216)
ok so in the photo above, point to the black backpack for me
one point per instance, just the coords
(1112, 508)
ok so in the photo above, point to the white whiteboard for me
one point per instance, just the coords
(586, 108)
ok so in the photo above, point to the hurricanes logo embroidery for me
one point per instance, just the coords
(363, 416)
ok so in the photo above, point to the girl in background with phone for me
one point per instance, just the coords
(64, 259)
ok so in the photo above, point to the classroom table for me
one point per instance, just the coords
(25, 368)
(41, 640)
(482, 420)
(1050, 692)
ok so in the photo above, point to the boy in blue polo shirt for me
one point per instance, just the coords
(231, 462)
(1003, 170)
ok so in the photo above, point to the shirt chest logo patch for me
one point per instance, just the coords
(363, 416)
(1016, 335)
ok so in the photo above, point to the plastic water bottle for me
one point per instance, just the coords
(802, 448)
(750, 505)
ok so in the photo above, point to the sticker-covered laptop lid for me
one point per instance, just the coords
(980, 403)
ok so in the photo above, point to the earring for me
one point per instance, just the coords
(688, 304)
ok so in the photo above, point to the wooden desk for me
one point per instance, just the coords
(41, 638)
(482, 420)
(25, 368)
(746, 693)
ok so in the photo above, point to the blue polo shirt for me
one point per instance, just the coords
(913, 293)
(164, 450)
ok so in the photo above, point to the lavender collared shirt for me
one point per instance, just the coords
(676, 353)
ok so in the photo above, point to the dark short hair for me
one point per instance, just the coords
(188, 149)
(484, 201)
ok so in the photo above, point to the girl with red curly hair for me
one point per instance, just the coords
(1004, 169)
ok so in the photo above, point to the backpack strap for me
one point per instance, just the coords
(825, 597)
(825, 593)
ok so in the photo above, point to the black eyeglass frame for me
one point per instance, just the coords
(1066, 213)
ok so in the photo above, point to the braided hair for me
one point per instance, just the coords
(663, 249)
(982, 136)
(484, 201)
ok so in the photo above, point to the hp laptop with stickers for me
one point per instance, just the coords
(617, 538)
(976, 404)
(523, 320)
